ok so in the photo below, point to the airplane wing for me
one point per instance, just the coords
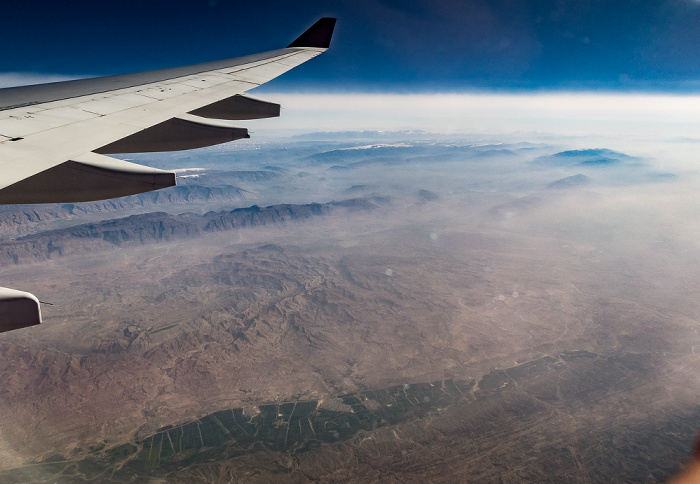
(55, 138)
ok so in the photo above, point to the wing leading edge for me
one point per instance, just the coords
(54, 137)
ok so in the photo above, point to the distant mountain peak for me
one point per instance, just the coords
(586, 157)
(590, 152)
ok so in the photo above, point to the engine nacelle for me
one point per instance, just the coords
(18, 309)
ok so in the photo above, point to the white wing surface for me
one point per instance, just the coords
(54, 137)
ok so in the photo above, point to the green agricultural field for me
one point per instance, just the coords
(288, 427)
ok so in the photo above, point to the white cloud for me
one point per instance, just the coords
(628, 116)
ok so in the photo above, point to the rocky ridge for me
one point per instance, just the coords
(158, 227)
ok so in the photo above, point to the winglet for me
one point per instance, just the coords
(318, 35)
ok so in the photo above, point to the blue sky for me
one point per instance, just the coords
(402, 46)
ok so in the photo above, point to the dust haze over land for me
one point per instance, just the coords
(546, 287)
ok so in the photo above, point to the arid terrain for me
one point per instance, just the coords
(395, 312)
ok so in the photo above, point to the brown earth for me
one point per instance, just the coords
(160, 334)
